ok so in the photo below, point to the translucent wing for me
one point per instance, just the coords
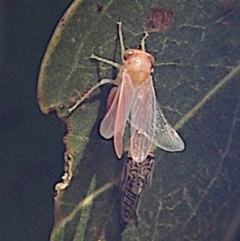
(143, 119)
(165, 136)
(107, 124)
(123, 110)
(114, 122)
(149, 125)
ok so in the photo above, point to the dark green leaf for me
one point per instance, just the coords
(194, 193)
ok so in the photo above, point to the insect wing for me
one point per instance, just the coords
(114, 122)
(143, 120)
(124, 107)
(107, 124)
(135, 176)
(165, 136)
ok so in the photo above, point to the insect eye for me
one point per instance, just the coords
(128, 53)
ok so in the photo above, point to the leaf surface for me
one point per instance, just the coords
(194, 193)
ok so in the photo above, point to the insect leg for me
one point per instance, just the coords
(142, 43)
(121, 40)
(102, 82)
(116, 65)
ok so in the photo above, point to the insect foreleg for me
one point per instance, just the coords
(102, 82)
(121, 40)
(142, 43)
(114, 64)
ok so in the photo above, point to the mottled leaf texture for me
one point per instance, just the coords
(194, 193)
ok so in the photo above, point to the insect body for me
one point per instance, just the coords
(134, 101)
(135, 176)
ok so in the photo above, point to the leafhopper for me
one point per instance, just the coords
(133, 100)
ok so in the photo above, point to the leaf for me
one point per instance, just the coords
(194, 193)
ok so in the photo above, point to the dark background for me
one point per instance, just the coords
(31, 143)
(31, 149)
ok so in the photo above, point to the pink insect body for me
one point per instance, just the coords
(135, 101)
(132, 98)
